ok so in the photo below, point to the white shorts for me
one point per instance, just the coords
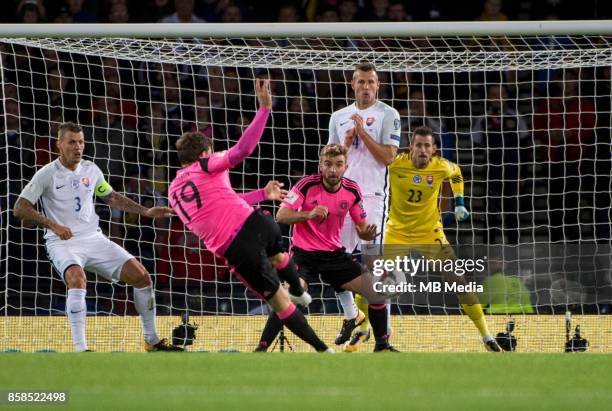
(376, 209)
(95, 253)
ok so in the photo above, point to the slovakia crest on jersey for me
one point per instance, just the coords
(370, 121)
(430, 180)
(343, 204)
(85, 181)
(417, 179)
(75, 184)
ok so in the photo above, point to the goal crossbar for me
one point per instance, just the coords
(222, 30)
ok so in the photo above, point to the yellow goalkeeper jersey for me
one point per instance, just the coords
(414, 213)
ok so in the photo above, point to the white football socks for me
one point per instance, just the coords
(76, 309)
(144, 300)
(347, 301)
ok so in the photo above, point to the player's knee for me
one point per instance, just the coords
(75, 277)
(143, 279)
(136, 275)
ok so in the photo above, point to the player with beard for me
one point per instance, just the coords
(317, 207)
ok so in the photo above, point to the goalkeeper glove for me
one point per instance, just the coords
(461, 213)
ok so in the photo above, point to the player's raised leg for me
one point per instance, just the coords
(134, 274)
(265, 283)
(287, 272)
(260, 235)
(76, 308)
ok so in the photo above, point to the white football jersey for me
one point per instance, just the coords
(67, 196)
(382, 123)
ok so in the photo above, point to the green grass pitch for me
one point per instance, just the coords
(291, 381)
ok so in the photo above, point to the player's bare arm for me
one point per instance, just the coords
(123, 203)
(383, 153)
(366, 232)
(289, 216)
(25, 211)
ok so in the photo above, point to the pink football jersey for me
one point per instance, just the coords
(202, 196)
(323, 235)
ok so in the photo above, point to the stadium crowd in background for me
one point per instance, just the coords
(236, 11)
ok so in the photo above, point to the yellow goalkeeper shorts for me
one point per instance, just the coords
(433, 245)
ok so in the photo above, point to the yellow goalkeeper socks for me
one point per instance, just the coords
(474, 311)
(362, 304)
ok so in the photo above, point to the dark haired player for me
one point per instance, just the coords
(250, 241)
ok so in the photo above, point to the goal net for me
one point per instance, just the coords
(527, 118)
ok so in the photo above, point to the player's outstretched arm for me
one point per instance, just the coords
(25, 211)
(123, 203)
(272, 191)
(288, 216)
